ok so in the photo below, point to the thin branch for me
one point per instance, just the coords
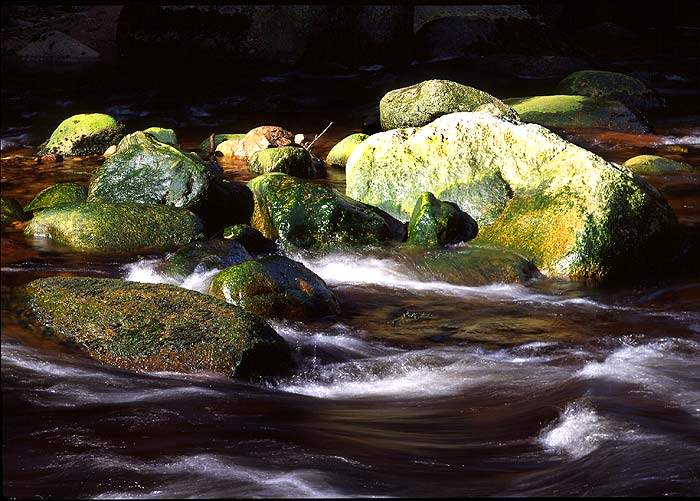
(308, 146)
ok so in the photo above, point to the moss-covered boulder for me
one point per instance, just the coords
(145, 170)
(11, 211)
(573, 112)
(422, 103)
(654, 164)
(566, 209)
(292, 160)
(58, 194)
(309, 215)
(99, 227)
(156, 327)
(203, 256)
(166, 136)
(339, 154)
(275, 286)
(610, 85)
(434, 223)
(209, 145)
(250, 238)
(84, 134)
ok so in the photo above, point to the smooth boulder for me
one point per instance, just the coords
(574, 112)
(309, 215)
(210, 144)
(610, 85)
(57, 194)
(653, 164)
(156, 327)
(106, 228)
(568, 210)
(163, 135)
(292, 160)
(435, 223)
(83, 134)
(339, 154)
(420, 104)
(275, 286)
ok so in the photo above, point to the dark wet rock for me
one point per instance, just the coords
(250, 238)
(84, 134)
(275, 286)
(156, 327)
(309, 215)
(573, 112)
(422, 103)
(145, 170)
(57, 47)
(11, 211)
(58, 194)
(292, 160)
(203, 256)
(610, 85)
(435, 223)
(227, 203)
(106, 228)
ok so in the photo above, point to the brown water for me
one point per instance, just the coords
(420, 388)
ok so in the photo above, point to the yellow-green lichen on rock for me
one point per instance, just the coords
(610, 85)
(292, 160)
(571, 112)
(568, 210)
(83, 134)
(57, 194)
(654, 164)
(339, 154)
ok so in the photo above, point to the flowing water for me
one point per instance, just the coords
(419, 388)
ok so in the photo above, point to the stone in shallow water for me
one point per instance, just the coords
(84, 134)
(11, 211)
(610, 85)
(339, 154)
(250, 238)
(434, 223)
(156, 327)
(203, 256)
(292, 160)
(654, 164)
(58, 194)
(166, 136)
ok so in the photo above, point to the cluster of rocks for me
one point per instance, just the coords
(453, 165)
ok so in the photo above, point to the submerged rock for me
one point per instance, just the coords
(339, 154)
(203, 256)
(610, 85)
(566, 209)
(156, 327)
(58, 194)
(434, 223)
(653, 164)
(275, 286)
(11, 211)
(84, 134)
(145, 170)
(166, 136)
(98, 227)
(250, 238)
(422, 103)
(309, 215)
(292, 160)
(571, 112)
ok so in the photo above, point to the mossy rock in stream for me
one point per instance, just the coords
(423, 102)
(205, 147)
(145, 170)
(654, 164)
(156, 327)
(435, 223)
(309, 215)
(339, 154)
(292, 160)
(84, 134)
(610, 85)
(57, 194)
(203, 256)
(569, 211)
(166, 136)
(250, 238)
(11, 211)
(105, 228)
(275, 286)
(574, 112)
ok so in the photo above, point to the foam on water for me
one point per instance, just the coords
(578, 432)
(144, 271)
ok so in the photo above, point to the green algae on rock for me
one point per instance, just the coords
(84, 134)
(653, 164)
(568, 210)
(422, 103)
(435, 223)
(292, 160)
(339, 154)
(102, 228)
(610, 85)
(11, 211)
(571, 112)
(156, 327)
(145, 170)
(166, 136)
(275, 286)
(203, 256)
(250, 238)
(309, 215)
(58, 194)
(209, 145)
